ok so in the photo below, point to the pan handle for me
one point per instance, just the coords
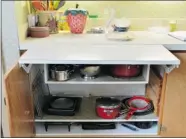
(129, 114)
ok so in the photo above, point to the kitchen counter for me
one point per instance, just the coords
(68, 39)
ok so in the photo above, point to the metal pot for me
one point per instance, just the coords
(108, 108)
(62, 73)
(90, 71)
(126, 70)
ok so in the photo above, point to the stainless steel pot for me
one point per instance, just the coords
(62, 73)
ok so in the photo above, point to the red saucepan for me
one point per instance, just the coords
(126, 70)
(137, 103)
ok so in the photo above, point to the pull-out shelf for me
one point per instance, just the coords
(101, 79)
(100, 54)
(87, 114)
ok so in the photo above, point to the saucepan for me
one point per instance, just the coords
(61, 72)
(126, 70)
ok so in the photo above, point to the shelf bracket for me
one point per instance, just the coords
(169, 68)
(26, 67)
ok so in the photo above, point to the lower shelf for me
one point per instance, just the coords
(87, 114)
(59, 130)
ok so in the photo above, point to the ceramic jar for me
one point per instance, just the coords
(49, 19)
(76, 19)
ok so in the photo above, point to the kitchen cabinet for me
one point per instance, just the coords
(173, 104)
(19, 88)
(19, 102)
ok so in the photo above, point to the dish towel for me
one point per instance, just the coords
(181, 35)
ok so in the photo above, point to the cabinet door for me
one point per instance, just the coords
(19, 103)
(174, 109)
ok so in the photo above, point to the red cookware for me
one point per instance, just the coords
(137, 103)
(126, 70)
(108, 108)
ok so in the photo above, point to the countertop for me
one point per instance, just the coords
(68, 39)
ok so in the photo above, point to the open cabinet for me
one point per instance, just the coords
(24, 89)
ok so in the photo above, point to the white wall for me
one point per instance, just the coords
(10, 40)
(10, 52)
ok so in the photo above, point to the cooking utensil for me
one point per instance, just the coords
(126, 70)
(144, 125)
(125, 108)
(60, 4)
(129, 127)
(98, 126)
(59, 106)
(89, 71)
(108, 108)
(137, 103)
(39, 5)
(62, 72)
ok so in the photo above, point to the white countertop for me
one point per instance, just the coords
(68, 39)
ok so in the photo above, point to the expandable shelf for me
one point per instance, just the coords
(87, 113)
(102, 79)
(58, 130)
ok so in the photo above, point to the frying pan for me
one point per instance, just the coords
(137, 103)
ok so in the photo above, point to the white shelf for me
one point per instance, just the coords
(77, 130)
(99, 54)
(87, 114)
(102, 79)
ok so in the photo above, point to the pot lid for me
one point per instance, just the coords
(107, 101)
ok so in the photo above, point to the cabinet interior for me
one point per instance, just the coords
(42, 87)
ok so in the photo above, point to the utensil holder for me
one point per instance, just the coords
(50, 19)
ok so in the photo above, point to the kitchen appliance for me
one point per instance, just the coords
(98, 126)
(63, 106)
(76, 19)
(108, 107)
(89, 72)
(62, 72)
(126, 70)
(137, 103)
(125, 108)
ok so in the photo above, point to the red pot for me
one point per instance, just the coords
(126, 70)
(108, 108)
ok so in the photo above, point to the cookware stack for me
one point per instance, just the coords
(111, 108)
(65, 72)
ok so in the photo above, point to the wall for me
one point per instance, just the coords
(141, 13)
(21, 11)
(135, 9)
